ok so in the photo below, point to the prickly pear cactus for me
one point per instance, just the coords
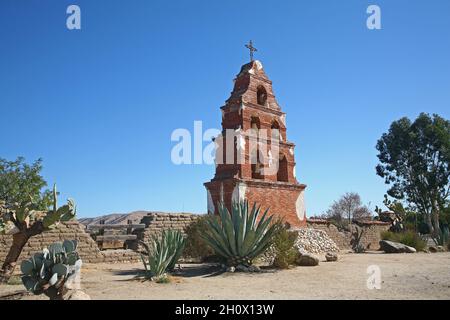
(18, 217)
(50, 270)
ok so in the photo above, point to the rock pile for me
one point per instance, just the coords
(314, 241)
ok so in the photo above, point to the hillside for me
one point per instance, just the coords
(115, 218)
(118, 218)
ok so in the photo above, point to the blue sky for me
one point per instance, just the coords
(99, 104)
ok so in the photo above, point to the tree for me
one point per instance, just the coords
(20, 186)
(414, 161)
(21, 182)
(348, 207)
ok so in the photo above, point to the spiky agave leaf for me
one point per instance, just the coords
(239, 237)
(161, 253)
(176, 243)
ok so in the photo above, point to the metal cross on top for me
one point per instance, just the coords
(252, 49)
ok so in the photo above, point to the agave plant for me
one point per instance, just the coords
(176, 243)
(239, 237)
(442, 237)
(162, 254)
(51, 270)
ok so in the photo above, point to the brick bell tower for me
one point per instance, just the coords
(252, 108)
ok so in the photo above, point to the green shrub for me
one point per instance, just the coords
(162, 255)
(241, 236)
(409, 238)
(196, 247)
(283, 245)
(14, 280)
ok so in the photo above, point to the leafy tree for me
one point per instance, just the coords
(21, 182)
(414, 161)
(348, 207)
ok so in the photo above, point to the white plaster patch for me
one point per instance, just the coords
(291, 151)
(283, 119)
(270, 158)
(211, 207)
(221, 193)
(239, 192)
(293, 172)
(241, 142)
(258, 64)
(300, 206)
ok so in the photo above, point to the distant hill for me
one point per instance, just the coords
(115, 218)
(118, 218)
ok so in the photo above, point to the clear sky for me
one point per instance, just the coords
(99, 104)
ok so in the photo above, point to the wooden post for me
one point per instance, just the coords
(129, 230)
(101, 232)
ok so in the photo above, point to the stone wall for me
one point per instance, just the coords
(370, 238)
(87, 247)
(155, 223)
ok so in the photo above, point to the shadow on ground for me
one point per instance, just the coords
(187, 271)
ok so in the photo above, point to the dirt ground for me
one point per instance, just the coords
(403, 276)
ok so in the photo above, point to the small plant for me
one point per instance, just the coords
(239, 237)
(176, 243)
(14, 280)
(196, 246)
(357, 234)
(442, 237)
(283, 243)
(162, 254)
(51, 271)
(409, 238)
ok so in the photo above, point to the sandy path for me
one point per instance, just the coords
(404, 276)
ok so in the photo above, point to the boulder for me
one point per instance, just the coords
(331, 256)
(435, 249)
(395, 247)
(307, 260)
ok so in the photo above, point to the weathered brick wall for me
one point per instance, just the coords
(370, 238)
(72, 230)
(156, 223)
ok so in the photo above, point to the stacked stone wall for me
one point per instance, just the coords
(156, 223)
(371, 233)
(71, 230)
